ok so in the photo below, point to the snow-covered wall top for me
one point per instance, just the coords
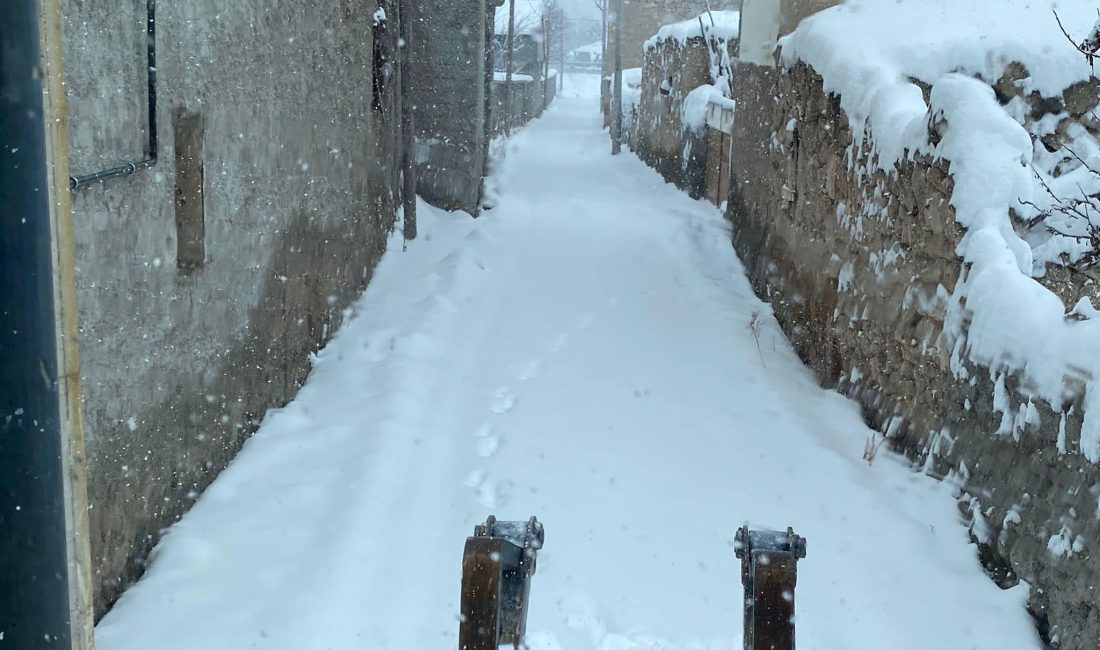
(591, 48)
(723, 24)
(889, 40)
(867, 52)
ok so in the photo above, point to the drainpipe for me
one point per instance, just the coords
(44, 558)
(150, 159)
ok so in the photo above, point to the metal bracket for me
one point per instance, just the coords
(769, 572)
(497, 564)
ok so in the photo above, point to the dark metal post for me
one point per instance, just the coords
(507, 126)
(497, 564)
(768, 573)
(617, 84)
(561, 50)
(546, 60)
(408, 124)
(44, 598)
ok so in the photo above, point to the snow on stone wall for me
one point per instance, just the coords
(877, 203)
(686, 67)
(720, 24)
(959, 49)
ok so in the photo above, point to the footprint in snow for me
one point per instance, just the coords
(493, 493)
(558, 344)
(474, 478)
(530, 370)
(488, 441)
(503, 400)
(479, 235)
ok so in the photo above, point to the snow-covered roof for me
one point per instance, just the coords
(866, 51)
(528, 16)
(723, 24)
(592, 48)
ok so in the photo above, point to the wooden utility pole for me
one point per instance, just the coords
(546, 58)
(508, 70)
(561, 49)
(617, 84)
(603, 31)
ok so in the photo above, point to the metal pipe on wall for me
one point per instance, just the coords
(150, 158)
(44, 559)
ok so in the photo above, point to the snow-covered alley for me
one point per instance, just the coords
(590, 352)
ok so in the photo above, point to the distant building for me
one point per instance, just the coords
(585, 58)
(528, 49)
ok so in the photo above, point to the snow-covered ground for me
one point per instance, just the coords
(589, 352)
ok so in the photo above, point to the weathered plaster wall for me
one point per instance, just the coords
(858, 266)
(297, 194)
(451, 53)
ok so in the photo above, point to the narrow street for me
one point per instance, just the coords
(590, 352)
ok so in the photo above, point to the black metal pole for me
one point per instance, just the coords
(546, 60)
(150, 159)
(561, 52)
(36, 603)
(408, 126)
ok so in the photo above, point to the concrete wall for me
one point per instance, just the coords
(269, 109)
(452, 55)
(858, 272)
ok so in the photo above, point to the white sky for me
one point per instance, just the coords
(580, 9)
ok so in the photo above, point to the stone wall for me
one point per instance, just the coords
(671, 71)
(859, 266)
(641, 20)
(206, 281)
(530, 97)
(452, 55)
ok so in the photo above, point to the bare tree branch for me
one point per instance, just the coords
(1089, 47)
